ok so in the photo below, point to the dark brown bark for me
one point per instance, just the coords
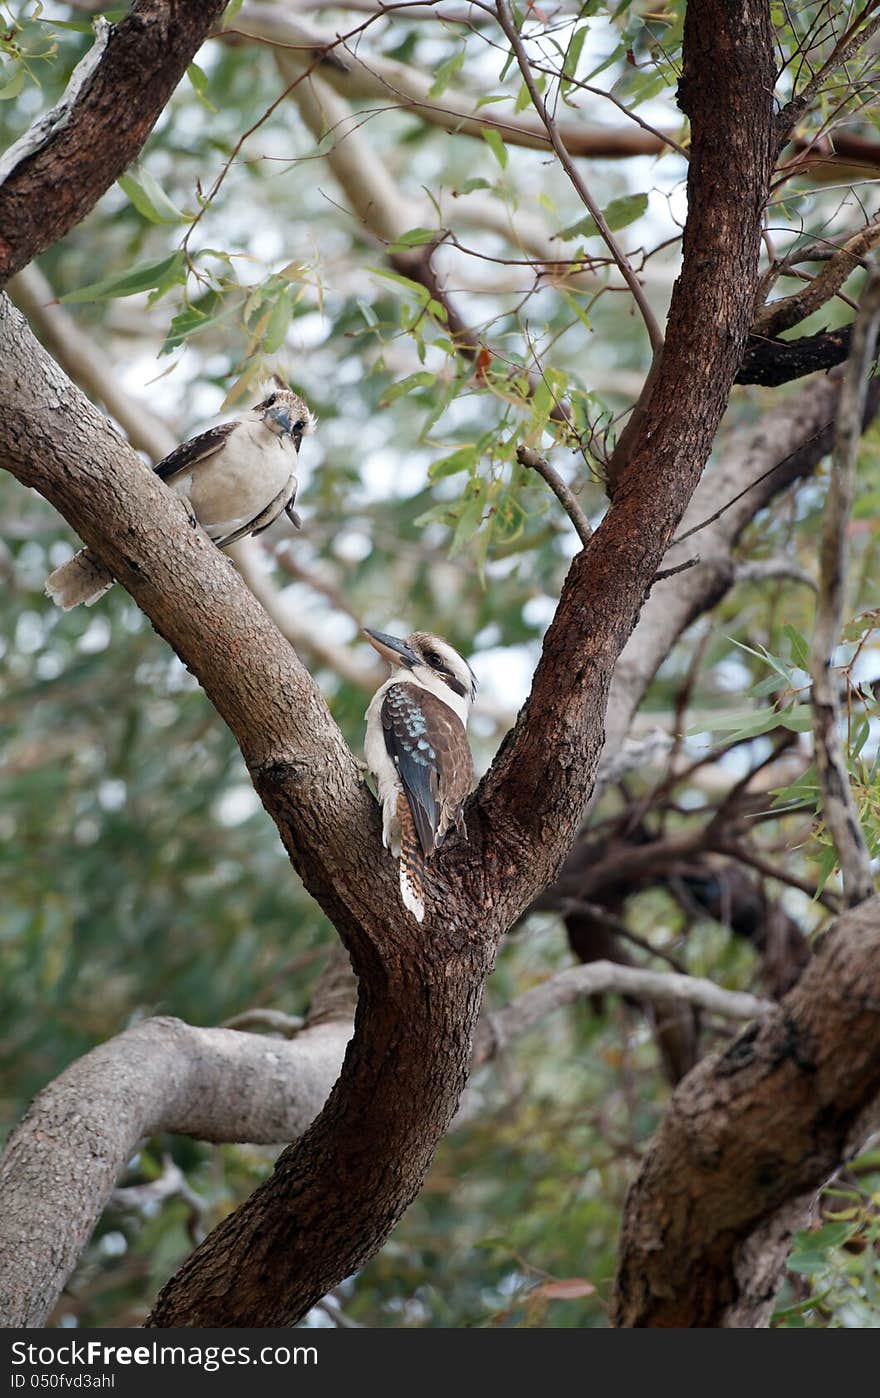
(774, 362)
(54, 188)
(337, 1193)
(750, 1131)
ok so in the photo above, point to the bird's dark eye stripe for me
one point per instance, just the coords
(271, 399)
(299, 426)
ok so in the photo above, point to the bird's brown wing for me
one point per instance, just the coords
(428, 745)
(267, 516)
(196, 449)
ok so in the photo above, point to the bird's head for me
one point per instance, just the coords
(285, 414)
(429, 661)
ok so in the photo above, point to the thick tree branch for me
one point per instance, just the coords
(549, 761)
(216, 1085)
(70, 161)
(161, 1075)
(838, 804)
(774, 362)
(751, 1130)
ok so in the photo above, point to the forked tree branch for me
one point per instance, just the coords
(420, 991)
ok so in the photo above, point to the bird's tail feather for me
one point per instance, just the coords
(83, 579)
(412, 863)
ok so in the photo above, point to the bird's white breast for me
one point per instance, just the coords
(235, 484)
(388, 784)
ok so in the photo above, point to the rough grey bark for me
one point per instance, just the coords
(63, 1159)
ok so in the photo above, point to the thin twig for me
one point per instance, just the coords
(841, 813)
(853, 38)
(772, 871)
(526, 457)
(679, 568)
(601, 977)
(508, 24)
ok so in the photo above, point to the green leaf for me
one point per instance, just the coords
(523, 99)
(798, 718)
(469, 186)
(469, 520)
(800, 650)
(149, 198)
(397, 390)
(230, 12)
(199, 80)
(462, 460)
(143, 278)
(13, 87)
(421, 293)
(573, 53)
(496, 145)
(368, 314)
(446, 72)
(193, 318)
(279, 320)
(827, 864)
(415, 238)
(776, 664)
(618, 214)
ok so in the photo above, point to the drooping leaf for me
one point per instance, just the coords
(618, 214)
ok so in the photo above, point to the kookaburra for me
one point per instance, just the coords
(417, 750)
(237, 478)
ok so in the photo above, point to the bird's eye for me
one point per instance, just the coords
(434, 658)
(271, 399)
(299, 428)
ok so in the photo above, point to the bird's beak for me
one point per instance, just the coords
(394, 651)
(282, 416)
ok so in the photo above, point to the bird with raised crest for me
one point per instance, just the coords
(416, 748)
(236, 478)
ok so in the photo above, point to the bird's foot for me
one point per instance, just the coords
(363, 770)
